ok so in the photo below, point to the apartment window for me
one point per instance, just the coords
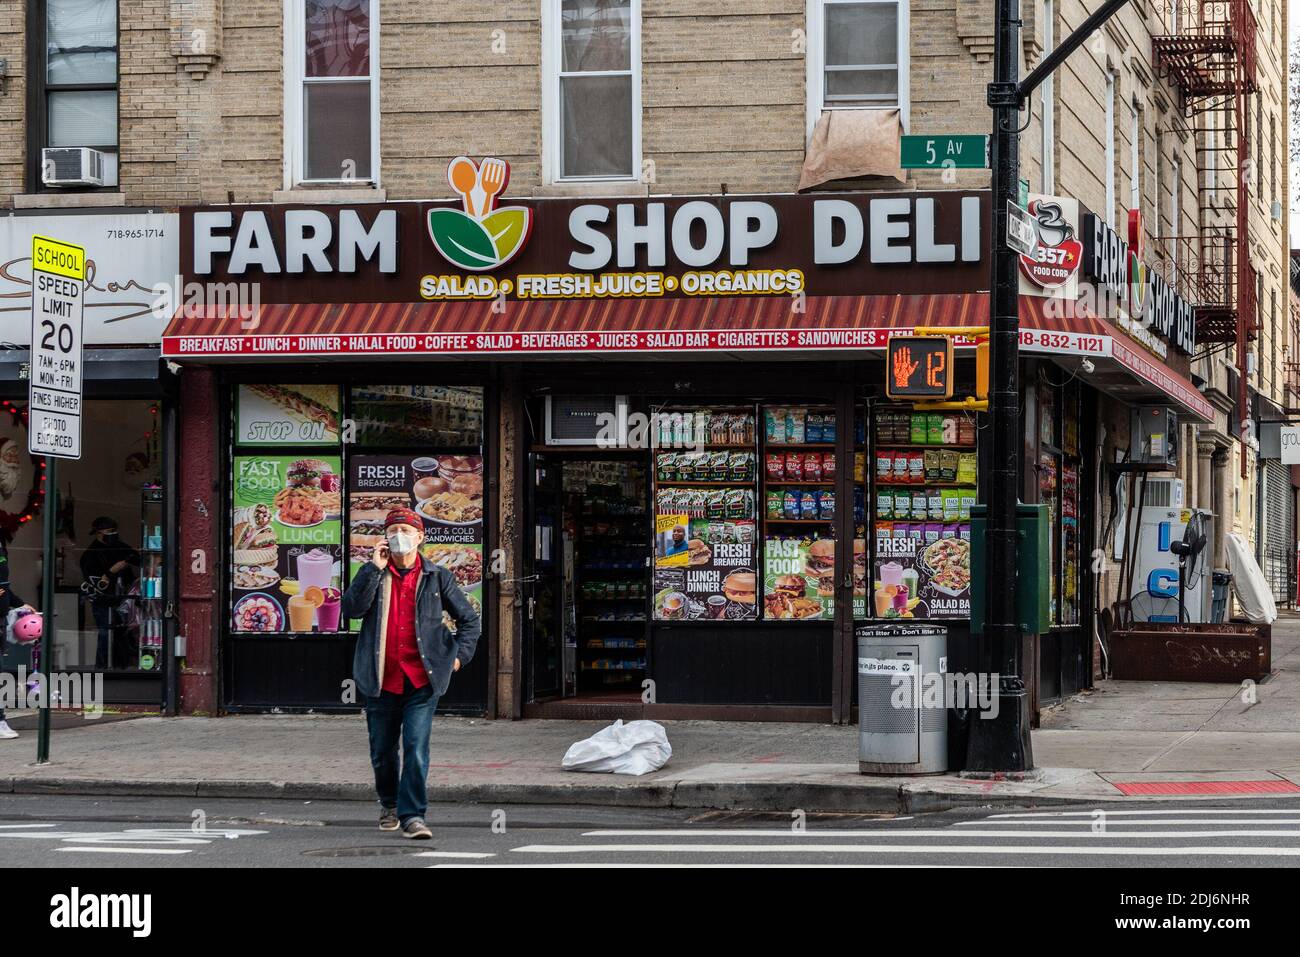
(333, 99)
(1135, 158)
(77, 91)
(1175, 211)
(1049, 101)
(1110, 147)
(593, 95)
(1272, 152)
(857, 56)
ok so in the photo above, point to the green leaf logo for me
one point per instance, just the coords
(480, 246)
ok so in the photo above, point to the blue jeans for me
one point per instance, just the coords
(407, 717)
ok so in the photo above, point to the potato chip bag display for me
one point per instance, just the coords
(948, 465)
(808, 506)
(828, 429)
(934, 504)
(826, 505)
(917, 435)
(790, 504)
(915, 467)
(794, 466)
(884, 505)
(967, 502)
(965, 430)
(934, 428)
(966, 468)
(884, 466)
(951, 505)
(774, 424)
(813, 428)
(932, 459)
(901, 460)
(859, 466)
(775, 467)
(949, 531)
(774, 507)
(920, 504)
(812, 467)
(902, 504)
(828, 467)
(795, 428)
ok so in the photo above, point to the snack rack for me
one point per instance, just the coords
(610, 587)
(798, 470)
(151, 578)
(706, 467)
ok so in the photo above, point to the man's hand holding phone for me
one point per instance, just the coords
(380, 556)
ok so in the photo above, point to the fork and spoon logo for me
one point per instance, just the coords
(482, 236)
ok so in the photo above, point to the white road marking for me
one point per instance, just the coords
(16, 826)
(921, 832)
(1109, 813)
(468, 854)
(128, 850)
(1061, 851)
(1057, 822)
(740, 865)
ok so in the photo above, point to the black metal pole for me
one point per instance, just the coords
(1002, 743)
(47, 607)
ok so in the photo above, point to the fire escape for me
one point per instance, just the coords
(1206, 50)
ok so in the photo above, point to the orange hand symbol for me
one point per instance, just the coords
(903, 367)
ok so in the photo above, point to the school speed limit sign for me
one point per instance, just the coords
(54, 395)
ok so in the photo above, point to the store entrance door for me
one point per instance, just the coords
(586, 622)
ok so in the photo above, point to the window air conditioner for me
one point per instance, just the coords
(587, 420)
(72, 166)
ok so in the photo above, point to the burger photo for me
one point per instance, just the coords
(308, 473)
(792, 585)
(699, 551)
(741, 586)
(821, 558)
(860, 567)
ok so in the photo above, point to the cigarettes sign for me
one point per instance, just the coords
(54, 396)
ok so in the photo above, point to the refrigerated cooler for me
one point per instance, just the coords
(1155, 578)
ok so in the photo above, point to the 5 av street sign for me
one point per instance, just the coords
(54, 386)
(965, 151)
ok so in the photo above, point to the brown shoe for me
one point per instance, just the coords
(388, 819)
(416, 829)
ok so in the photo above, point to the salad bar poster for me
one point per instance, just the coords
(446, 491)
(712, 576)
(918, 579)
(286, 544)
(287, 414)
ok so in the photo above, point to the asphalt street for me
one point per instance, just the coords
(80, 832)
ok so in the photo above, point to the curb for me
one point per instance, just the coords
(884, 797)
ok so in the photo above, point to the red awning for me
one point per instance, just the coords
(630, 326)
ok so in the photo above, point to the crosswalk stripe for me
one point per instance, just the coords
(873, 833)
(127, 850)
(1057, 822)
(19, 826)
(701, 865)
(1162, 811)
(470, 854)
(959, 849)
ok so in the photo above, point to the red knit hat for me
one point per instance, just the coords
(403, 516)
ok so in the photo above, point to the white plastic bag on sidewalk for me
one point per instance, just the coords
(637, 747)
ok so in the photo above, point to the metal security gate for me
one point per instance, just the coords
(1278, 562)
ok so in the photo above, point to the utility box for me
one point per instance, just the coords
(1033, 568)
(1153, 437)
(902, 716)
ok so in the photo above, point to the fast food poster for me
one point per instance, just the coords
(798, 578)
(287, 553)
(446, 491)
(717, 579)
(287, 414)
(913, 578)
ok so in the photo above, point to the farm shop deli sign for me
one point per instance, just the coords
(569, 249)
(1149, 309)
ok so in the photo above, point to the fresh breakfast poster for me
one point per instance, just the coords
(287, 538)
(268, 414)
(712, 577)
(445, 490)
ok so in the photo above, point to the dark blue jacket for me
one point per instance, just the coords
(367, 598)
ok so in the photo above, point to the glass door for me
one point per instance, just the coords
(544, 580)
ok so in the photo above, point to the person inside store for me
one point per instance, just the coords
(404, 660)
(8, 602)
(678, 543)
(109, 567)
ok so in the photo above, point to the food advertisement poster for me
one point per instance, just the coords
(798, 578)
(446, 491)
(712, 576)
(287, 414)
(918, 579)
(287, 551)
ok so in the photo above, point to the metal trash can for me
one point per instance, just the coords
(897, 666)
(1219, 582)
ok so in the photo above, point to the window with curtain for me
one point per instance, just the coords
(81, 77)
(597, 77)
(860, 53)
(337, 72)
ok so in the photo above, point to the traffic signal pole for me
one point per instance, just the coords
(1002, 743)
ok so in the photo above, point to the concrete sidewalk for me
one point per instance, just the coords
(1122, 732)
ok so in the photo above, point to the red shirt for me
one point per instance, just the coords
(401, 649)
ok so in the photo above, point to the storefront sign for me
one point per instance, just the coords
(54, 388)
(132, 268)
(287, 551)
(1052, 265)
(1147, 307)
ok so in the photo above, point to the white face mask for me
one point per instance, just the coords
(402, 543)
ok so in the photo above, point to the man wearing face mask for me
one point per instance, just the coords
(404, 660)
(109, 567)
